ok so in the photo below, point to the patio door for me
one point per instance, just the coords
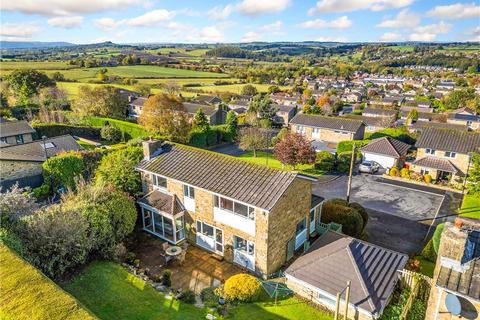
(209, 237)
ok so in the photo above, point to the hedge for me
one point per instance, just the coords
(347, 145)
(348, 215)
(58, 129)
(215, 135)
(130, 130)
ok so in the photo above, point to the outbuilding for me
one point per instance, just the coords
(385, 151)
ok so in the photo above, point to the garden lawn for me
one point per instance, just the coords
(27, 294)
(470, 206)
(267, 159)
(426, 267)
(111, 292)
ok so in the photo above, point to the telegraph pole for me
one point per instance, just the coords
(350, 173)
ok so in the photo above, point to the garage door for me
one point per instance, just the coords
(383, 161)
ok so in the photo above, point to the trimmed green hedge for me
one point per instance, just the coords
(346, 146)
(214, 136)
(130, 130)
(58, 129)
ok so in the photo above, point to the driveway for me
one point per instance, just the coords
(378, 194)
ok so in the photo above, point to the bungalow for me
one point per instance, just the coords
(22, 163)
(444, 153)
(206, 199)
(15, 132)
(328, 129)
(372, 124)
(323, 271)
(211, 100)
(386, 151)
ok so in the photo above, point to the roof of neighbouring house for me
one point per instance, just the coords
(380, 111)
(449, 140)
(420, 125)
(334, 259)
(334, 123)
(254, 184)
(192, 108)
(12, 128)
(464, 117)
(34, 151)
(208, 99)
(138, 102)
(387, 146)
(162, 201)
(436, 163)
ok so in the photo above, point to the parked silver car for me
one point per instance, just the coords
(369, 167)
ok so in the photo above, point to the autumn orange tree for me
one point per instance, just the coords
(165, 115)
(294, 149)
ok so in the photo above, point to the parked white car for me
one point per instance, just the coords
(369, 167)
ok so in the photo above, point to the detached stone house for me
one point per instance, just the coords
(15, 132)
(323, 271)
(135, 106)
(284, 113)
(248, 214)
(457, 272)
(216, 114)
(328, 129)
(445, 153)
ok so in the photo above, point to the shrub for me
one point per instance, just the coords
(198, 139)
(187, 296)
(265, 123)
(55, 240)
(416, 176)
(428, 252)
(167, 277)
(63, 169)
(405, 173)
(363, 212)
(436, 237)
(350, 219)
(242, 287)
(325, 161)
(111, 133)
(393, 172)
(59, 129)
(417, 310)
(347, 145)
(110, 213)
(15, 203)
(209, 298)
(212, 137)
(42, 192)
(428, 178)
(343, 161)
(117, 169)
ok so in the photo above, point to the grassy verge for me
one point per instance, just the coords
(133, 130)
(112, 293)
(267, 159)
(471, 206)
(28, 294)
(426, 267)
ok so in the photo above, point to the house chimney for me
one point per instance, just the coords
(151, 148)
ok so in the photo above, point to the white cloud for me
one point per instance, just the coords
(258, 7)
(390, 36)
(331, 39)
(422, 37)
(66, 22)
(272, 27)
(404, 19)
(221, 13)
(64, 7)
(476, 31)
(211, 34)
(339, 23)
(455, 11)
(435, 28)
(106, 23)
(251, 36)
(151, 18)
(18, 31)
(338, 6)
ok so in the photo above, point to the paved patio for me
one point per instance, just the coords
(201, 269)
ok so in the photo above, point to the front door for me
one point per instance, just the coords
(443, 175)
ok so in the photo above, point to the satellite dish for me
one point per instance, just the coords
(453, 304)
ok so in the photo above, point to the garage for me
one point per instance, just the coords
(386, 151)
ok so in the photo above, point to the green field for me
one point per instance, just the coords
(113, 293)
(39, 65)
(471, 206)
(27, 294)
(185, 51)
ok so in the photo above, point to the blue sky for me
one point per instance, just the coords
(205, 21)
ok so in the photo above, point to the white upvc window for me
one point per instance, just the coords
(424, 171)
(450, 154)
(159, 181)
(189, 191)
(301, 129)
(429, 151)
(243, 245)
(234, 207)
(244, 252)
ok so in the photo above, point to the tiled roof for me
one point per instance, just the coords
(335, 258)
(334, 123)
(253, 184)
(387, 146)
(380, 111)
(436, 163)
(193, 107)
(316, 200)
(449, 140)
(34, 151)
(12, 128)
(163, 202)
(139, 102)
(419, 125)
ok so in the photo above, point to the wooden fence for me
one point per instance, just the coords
(420, 286)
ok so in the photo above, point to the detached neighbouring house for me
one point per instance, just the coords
(284, 113)
(386, 151)
(322, 129)
(248, 214)
(379, 112)
(216, 114)
(444, 153)
(22, 163)
(211, 100)
(15, 132)
(135, 106)
(466, 117)
(323, 271)
(457, 272)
